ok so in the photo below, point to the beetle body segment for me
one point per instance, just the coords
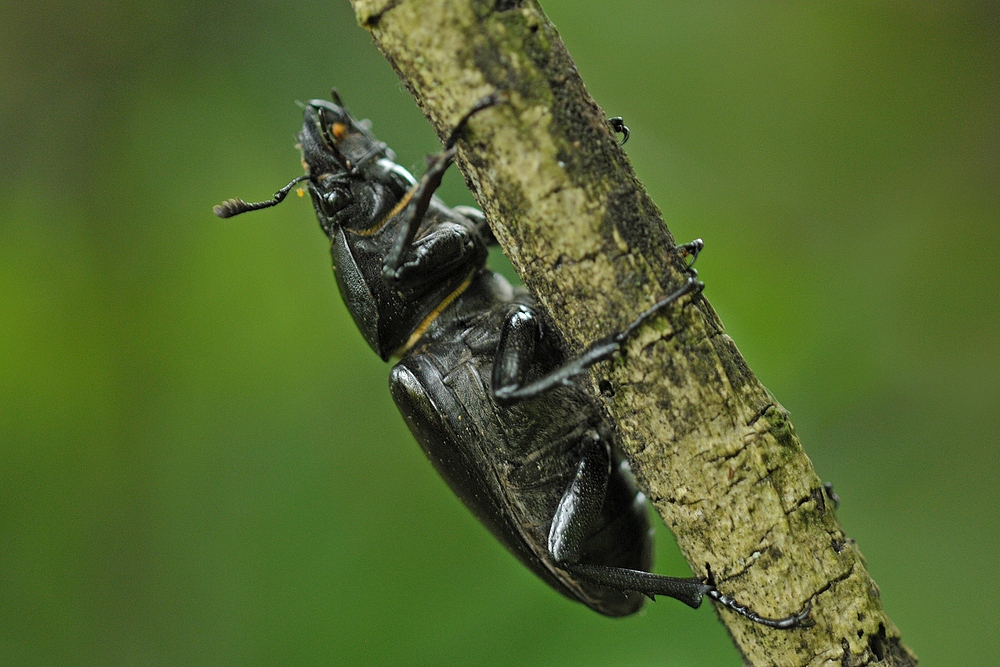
(511, 464)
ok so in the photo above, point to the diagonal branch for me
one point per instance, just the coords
(715, 452)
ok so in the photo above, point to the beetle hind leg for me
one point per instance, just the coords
(688, 590)
(575, 515)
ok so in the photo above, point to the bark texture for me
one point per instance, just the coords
(715, 452)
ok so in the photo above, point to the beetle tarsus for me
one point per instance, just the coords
(690, 249)
(834, 498)
(794, 621)
(618, 125)
(490, 100)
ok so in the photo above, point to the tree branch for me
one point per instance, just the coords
(714, 450)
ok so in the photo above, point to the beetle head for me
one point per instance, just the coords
(334, 142)
(338, 153)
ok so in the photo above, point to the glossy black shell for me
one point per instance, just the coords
(510, 463)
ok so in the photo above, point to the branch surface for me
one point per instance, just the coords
(715, 452)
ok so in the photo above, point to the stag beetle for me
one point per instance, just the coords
(482, 380)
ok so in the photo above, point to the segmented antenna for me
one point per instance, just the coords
(231, 207)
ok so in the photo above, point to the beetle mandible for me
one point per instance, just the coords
(482, 380)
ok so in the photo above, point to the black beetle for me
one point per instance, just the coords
(482, 381)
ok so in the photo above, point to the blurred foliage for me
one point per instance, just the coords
(199, 461)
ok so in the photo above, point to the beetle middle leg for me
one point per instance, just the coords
(516, 340)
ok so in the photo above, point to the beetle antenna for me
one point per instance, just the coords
(231, 207)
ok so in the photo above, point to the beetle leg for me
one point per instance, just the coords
(581, 503)
(577, 511)
(420, 195)
(579, 508)
(420, 199)
(688, 590)
(435, 256)
(618, 125)
(479, 220)
(507, 386)
(794, 621)
(519, 338)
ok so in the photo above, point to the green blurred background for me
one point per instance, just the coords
(200, 463)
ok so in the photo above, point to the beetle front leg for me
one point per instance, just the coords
(419, 201)
(442, 252)
(421, 194)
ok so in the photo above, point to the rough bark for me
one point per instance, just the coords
(714, 450)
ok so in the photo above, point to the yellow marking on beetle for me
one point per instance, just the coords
(388, 216)
(339, 130)
(300, 192)
(422, 327)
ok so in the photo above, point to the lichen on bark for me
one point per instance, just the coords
(715, 452)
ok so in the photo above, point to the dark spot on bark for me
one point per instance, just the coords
(496, 68)
(838, 546)
(373, 20)
(606, 389)
(894, 651)
(733, 365)
(687, 422)
(817, 495)
(877, 643)
(861, 617)
(847, 660)
(701, 366)
(507, 5)
(671, 370)
(781, 430)
(639, 224)
(511, 198)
